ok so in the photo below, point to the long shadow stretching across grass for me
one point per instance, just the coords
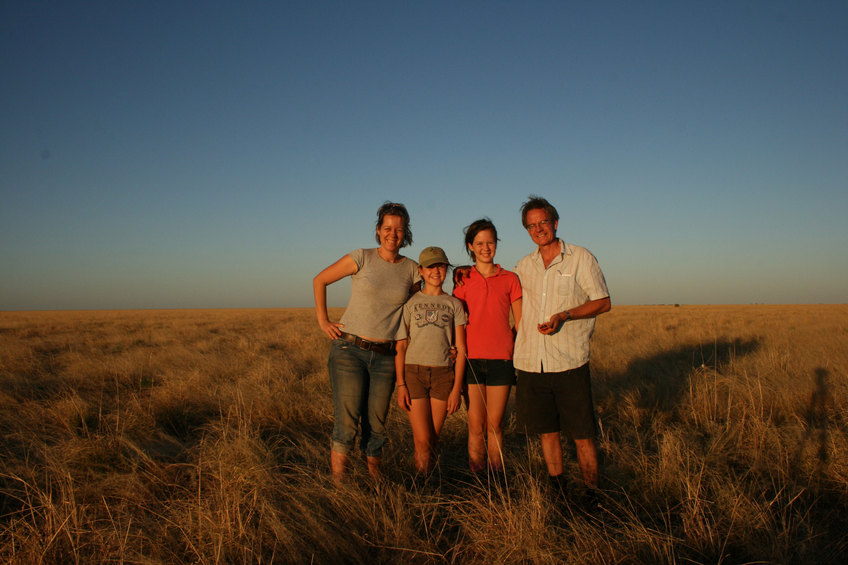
(659, 381)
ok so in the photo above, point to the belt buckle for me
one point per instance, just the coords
(365, 345)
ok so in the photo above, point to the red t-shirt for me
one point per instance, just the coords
(488, 301)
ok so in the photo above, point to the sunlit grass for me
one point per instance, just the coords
(203, 436)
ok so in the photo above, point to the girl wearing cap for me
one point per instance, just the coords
(490, 293)
(428, 386)
(361, 362)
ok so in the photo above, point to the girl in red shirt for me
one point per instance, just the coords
(490, 294)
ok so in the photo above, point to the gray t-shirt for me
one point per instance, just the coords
(378, 292)
(431, 320)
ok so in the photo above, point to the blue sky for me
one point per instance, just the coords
(219, 154)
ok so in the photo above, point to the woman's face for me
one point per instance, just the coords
(484, 246)
(391, 233)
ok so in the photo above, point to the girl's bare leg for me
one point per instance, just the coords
(439, 411)
(477, 427)
(423, 434)
(496, 399)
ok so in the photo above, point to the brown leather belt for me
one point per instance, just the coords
(381, 347)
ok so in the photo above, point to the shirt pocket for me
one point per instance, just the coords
(565, 285)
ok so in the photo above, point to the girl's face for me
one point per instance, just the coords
(484, 246)
(391, 232)
(434, 275)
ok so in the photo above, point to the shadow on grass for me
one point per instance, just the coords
(817, 423)
(658, 382)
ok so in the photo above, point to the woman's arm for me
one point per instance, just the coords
(342, 268)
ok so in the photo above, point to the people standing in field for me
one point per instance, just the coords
(361, 363)
(563, 291)
(429, 385)
(490, 293)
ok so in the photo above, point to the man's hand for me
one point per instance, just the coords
(551, 326)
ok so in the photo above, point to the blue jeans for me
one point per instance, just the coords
(362, 383)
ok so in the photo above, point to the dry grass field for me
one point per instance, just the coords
(202, 437)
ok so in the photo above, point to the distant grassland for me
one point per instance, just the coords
(202, 436)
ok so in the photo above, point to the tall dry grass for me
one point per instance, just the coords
(203, 436)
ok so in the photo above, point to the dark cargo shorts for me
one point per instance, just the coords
(556, 402)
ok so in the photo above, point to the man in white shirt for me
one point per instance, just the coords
(563, 291)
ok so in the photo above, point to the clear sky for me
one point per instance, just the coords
(219, 154)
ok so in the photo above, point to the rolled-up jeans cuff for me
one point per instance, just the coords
(375, 453)
(339, 448)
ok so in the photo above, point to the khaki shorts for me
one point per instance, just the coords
(429, 382)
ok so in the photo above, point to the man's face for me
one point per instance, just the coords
(541, 228)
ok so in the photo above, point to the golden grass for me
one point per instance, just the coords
(202, 436)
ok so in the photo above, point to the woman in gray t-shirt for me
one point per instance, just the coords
(361, 362)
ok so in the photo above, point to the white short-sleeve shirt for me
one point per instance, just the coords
(571, 279)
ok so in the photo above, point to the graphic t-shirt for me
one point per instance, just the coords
(431, 320)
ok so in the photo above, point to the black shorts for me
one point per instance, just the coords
(490, 372)
(556, 402)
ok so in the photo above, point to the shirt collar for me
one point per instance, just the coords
(564, 249)
(496, 273)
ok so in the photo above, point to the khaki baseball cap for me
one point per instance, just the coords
(431, 256)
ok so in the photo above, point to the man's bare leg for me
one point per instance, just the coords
(552, 452)
(587, 458)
